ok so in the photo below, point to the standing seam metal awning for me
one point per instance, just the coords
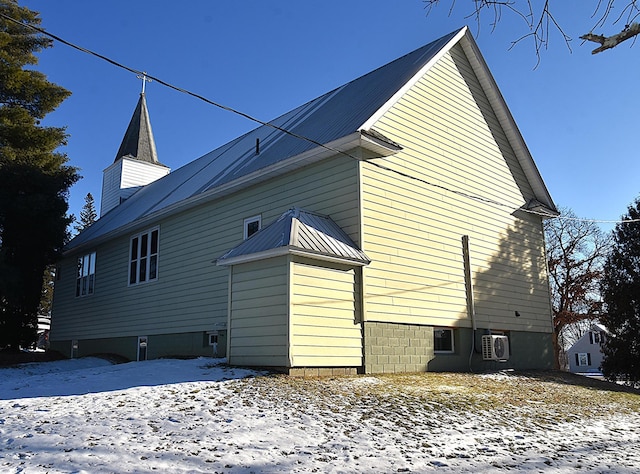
(298, 232)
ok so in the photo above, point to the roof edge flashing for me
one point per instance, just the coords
(289, 250)
(507, 121)
(371, 121)
(540, 209)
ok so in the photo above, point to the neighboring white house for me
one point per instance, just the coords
(585, 356)
(44, 326)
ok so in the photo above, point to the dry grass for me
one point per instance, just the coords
(544, 396)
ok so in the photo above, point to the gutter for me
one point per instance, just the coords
(290, 250)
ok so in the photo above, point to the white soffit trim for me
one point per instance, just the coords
(287, 250)
(270, 253)
(410, 83)
(377, 145)
(507, 122)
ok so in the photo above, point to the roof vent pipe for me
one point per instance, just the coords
(257, 146)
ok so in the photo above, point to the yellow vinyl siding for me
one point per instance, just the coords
(324, 332)
(191, 292)
(412, 229)
(259, 327)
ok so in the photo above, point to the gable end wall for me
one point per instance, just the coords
(412, 230)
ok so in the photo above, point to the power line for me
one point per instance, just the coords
(149, 77)
(598, 221)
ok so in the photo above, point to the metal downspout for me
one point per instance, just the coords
(468, 283)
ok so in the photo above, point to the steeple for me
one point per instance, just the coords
(136, 163)
(138, 142)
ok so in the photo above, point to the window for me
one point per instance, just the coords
(583, 359)
(596, 337)
(142, 348)
(443, 340)
(143, 260)
(212, 338)
(251, 226)
(86, 274)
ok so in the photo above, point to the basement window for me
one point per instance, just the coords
(443, 340)
(143, 257)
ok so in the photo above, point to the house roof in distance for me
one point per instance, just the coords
(340, 120)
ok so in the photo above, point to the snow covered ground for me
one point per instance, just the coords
(192, 416)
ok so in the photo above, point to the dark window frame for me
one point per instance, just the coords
(448, 343)
(144, 256)
(248, 223)
(86, 275)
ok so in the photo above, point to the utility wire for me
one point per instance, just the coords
(289, 132)
(598, 221)
(166, 84)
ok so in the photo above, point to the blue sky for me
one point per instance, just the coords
(576, 111)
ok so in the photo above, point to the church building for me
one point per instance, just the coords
(393, 224)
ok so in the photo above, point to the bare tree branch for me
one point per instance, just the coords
(609, 42)
(540, 21)
(576, 251)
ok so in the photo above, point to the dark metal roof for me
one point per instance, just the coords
(302, 231)
(349, 110)
(138, 140)
(332, 116)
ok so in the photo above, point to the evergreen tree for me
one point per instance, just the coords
(88, 214)
(46, 298)
(621, 295)
(34, 178)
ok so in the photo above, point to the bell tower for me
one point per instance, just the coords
(136, 163)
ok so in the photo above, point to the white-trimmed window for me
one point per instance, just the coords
(595, 337)
(86, 277)
(252, 225)
(583, 359)
(143, 257)
(443, 340)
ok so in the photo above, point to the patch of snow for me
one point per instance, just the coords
(197, 416)
(498, 375)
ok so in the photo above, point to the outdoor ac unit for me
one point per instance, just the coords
(495, 347)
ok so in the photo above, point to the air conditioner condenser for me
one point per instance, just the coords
(495, 347)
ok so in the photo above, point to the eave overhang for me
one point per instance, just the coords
(536, 207)
(373, 142)
(289, 250)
